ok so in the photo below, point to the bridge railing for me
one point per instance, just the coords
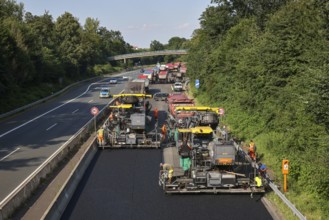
(149, 53)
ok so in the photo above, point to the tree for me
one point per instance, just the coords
(156, 45)
(68, 38)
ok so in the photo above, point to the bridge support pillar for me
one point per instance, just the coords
(124, 61)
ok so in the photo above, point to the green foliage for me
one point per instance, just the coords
(35, 50)
(156, 45)
(103, 69)
(267, 65)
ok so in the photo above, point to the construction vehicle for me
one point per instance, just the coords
(191, 116)
(177, 65)
(163, 76)
(212, 165)
(180, 74)
(178, 99)
(148, 74)
(128, 124)
(137, 86)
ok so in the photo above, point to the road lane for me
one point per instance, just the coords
(33, 131)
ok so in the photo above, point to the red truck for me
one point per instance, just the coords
(179, 99)
(163, 76)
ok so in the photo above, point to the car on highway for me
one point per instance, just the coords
(105, 93)
(113, 81)
(178, 86)
(160, 96)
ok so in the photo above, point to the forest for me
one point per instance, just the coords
(266, 64)
(39, 55)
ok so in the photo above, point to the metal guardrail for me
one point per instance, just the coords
(271, 184)
(27, 187)
(286, 201)
(148, 54)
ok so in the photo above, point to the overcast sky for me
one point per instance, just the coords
(139, 21)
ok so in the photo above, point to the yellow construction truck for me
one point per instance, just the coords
(128, 124)
(201, 162)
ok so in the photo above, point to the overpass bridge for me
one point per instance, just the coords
(148, 54)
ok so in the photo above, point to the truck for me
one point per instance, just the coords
(180, 74)
(149, 74)
(139, 86)
(211, 165)
(127, 124)
(178, 99)
(177, 65)
(163, 76)
(186, 116)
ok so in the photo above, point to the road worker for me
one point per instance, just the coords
(164, 131)
(169, 169)
(252, 150)
(100, 136)
(258, 181)
(156, 112)
(262, 169)
(111, 117)
(185, 160)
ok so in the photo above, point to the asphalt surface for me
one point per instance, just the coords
(29, 138)
(123, 184)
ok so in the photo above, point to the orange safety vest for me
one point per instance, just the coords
(252, 147)
(164, 129)
(156, 113)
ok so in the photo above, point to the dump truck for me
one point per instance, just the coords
(211, 165)
(191, 116)
(137, 86)
(163, 76)
(128, 124)
(178, 99)
(180, 74)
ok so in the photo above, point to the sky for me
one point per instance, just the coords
(139, 21)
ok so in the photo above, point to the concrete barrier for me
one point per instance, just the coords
(63, 197)
(21, 193)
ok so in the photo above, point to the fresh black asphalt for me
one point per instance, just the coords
(123, 184)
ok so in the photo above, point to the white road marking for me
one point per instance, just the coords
(75, 111)
(28, 122)
(91, 101)
(9, 154)
(51, 127)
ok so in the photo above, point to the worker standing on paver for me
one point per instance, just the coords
(156, 112)
(169, 169)
(252, 150)
(185, 160)
(100, 136)
(164, 132)
(258, 181)
(111, 116)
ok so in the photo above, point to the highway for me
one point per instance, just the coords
(123, 184)
(29, 138)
